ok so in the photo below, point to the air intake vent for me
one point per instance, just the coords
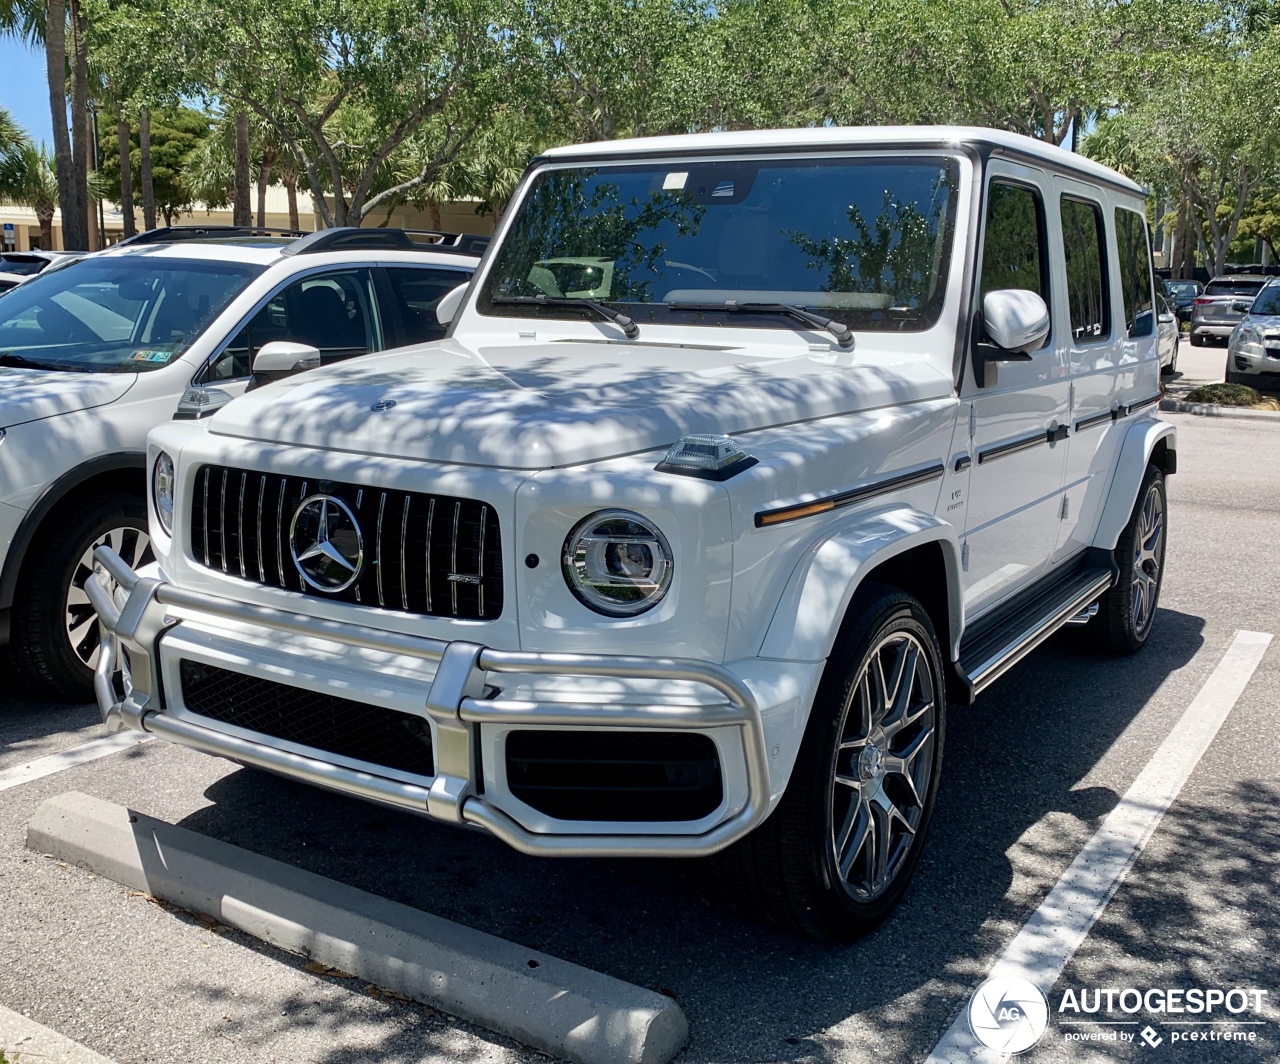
(323, 722)
(429, 554)
(615, 775)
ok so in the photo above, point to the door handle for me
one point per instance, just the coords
(1056, 434)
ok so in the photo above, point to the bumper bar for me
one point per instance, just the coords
(135, 612)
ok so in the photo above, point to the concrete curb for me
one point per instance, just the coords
(1177, 406)
(23, 1040)
(550, 1004)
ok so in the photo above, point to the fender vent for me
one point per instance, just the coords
(615, 775)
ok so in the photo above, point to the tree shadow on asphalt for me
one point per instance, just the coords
(753, 993)
(1199, 909)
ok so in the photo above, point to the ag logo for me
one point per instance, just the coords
(326, 544)
(1008, 1014)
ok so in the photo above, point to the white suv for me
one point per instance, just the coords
(745, 455)
(95, 354)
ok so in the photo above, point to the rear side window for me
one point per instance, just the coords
(416, 290)
(1013, 249)
(1084, 244)
(1135, 273)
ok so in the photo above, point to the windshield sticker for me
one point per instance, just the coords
(152, 356)
(674, 182)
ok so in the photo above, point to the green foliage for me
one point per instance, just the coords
(177, 134)
(1224, 395)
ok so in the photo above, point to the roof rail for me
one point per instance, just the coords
(171, 233)
(353, 238)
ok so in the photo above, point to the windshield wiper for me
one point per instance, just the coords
(8, 358)
(629, 327)
(838, 329)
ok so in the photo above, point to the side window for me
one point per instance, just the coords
(1013, 249)
(1084, 242)
(415, 291)
(330, 311)
(1135, 273)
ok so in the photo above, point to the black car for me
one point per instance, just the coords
(1182, 294)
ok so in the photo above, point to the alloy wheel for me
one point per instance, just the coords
(81, 620)
(1148, 558)
(883, 765)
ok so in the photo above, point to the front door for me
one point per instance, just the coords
(1019, 408)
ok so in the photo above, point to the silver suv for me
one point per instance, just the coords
(1253, 352)
(1219, 308)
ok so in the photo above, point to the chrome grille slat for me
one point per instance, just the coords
(377, 561)
(244, 480)
(404, 543)
(465, 550)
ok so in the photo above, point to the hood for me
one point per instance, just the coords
(35, 394)
(538, 406)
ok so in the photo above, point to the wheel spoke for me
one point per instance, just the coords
(880, 838)
(851, 837)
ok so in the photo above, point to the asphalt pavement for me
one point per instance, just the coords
(1031, 772)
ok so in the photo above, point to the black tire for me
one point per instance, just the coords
(41, 645)
(1197, 341)
(788, 869)
(1127, 612)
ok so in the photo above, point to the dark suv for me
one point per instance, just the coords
(1224, 302)
(1182, 294)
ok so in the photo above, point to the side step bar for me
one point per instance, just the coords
(1001, 641)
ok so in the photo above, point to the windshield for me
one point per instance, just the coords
(1182, 289)
(866, 240)
(22, 265)
(115, 314)
(1268, 301)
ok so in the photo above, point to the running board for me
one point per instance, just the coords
(1001, 640)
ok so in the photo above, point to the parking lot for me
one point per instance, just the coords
(1030, 772)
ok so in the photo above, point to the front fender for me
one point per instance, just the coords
(1140, 442)
(808, 616)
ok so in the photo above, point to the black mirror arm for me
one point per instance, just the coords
(985, 351)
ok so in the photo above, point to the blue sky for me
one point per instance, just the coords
(24, 91)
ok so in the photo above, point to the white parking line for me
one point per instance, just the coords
(1055, 931)
(77, 755)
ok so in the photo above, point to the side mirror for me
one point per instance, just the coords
(1242, 306)
(280, 359)
(1017, 321)
(449, 304)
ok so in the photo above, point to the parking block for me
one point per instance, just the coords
(555, 1006)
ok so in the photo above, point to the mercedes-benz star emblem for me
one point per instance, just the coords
(325, 541)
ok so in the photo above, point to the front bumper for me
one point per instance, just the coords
(137, 612)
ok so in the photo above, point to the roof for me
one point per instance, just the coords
(852, 136)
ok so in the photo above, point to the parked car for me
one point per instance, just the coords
(1253, 352)
(1217, 311)
(18, 266)
(1170, 335)
(1182, 294)
(94, 354)
(698, 563)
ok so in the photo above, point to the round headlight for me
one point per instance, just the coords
(617, 563)
(162, 491)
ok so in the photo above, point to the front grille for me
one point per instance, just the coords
(428, 554)
(614, 775)
(323, 722)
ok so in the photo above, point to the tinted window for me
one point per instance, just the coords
(1233, 288)
(1084, 242)
(329, 311)
(675, 242)
(416, 290)
(1182, 289)
(1268, 301)
(1135, 273)
(1013, 248)
(116, 313)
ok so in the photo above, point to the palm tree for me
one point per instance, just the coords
(30, 181)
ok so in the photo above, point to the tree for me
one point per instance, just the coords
(386, 67)
(175, 134)
(30, 181)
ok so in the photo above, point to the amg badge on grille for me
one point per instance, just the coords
(325, 541)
